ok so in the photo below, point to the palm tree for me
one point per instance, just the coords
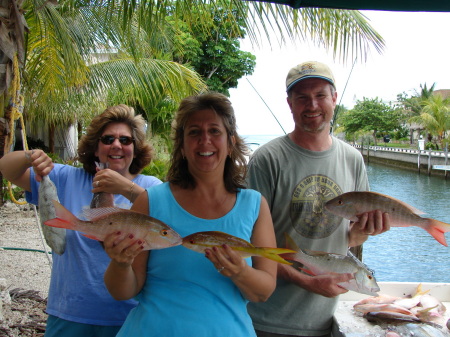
(435, 116)
(60, 86)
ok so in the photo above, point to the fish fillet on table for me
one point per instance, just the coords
(351, 204)
(321, 263)
(104, 221)
(55, 237)
(200, 241)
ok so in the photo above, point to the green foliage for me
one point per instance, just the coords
(157, 168)
(401, 133)
(371, 115)
(435, 116)
(16, 191)
(431, 146)
(211, 45)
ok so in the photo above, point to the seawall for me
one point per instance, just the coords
(421, 161)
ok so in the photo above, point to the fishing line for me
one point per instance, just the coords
(266, 105)
(36, 217)
(342, 96)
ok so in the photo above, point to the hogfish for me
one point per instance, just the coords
(55, 237)
(351, 204)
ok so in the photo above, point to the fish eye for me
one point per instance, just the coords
(340, 202)
(164, 232)
(191, 242)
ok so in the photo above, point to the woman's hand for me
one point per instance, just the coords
(41, 163)
(227, 262)
(122, 248)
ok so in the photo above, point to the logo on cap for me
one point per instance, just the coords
(306, 70)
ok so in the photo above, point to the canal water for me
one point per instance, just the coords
(410, 254)
(404, 254)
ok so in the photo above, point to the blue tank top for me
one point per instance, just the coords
(184, 295)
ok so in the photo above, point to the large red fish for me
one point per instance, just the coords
(107, 220)
(350, 205)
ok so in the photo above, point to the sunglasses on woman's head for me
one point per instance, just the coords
(124, 140)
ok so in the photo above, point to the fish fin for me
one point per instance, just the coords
(63, 213)
(290, 243)
(93, 237)
(307, 271)
(419, 291)
(437, 229)
(59, 223)
(274, 254)
(94, 213)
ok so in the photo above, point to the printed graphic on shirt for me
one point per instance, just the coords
(308, 214)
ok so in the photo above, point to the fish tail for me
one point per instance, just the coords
(274, 254)
(63, 213)
(59, 223)
(437, 229)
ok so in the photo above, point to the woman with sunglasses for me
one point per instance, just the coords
(78, 301)
(181, 292)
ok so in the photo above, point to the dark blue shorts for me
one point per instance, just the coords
(58, 327)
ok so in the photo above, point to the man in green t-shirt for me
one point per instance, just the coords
(298, 173)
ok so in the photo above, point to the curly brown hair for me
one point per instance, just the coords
(235, 165)
(116, 114)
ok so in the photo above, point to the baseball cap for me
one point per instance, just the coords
(310, 69)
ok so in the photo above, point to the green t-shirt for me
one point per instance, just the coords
(296, 183)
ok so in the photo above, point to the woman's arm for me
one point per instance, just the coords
(258, 282)
(127, 271)
(15, 166)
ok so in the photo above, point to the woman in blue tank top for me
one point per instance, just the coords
(180, 292)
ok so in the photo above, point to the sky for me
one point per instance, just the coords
(417, 52)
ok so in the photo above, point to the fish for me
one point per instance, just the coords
(102, 199)
(104, 221)
(365, 308)
(413, 300)
(200, 241)
(380, 299)
(55, 237)
(351, 204)
(430, 309)
(389, 317)
(320, 263)
(421, 330)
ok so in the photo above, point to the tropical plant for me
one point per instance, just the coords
(48, 49)
(371, 115)
(435, 117)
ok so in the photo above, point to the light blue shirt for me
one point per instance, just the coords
(77, 292)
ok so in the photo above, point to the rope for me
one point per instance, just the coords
(17, 103)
